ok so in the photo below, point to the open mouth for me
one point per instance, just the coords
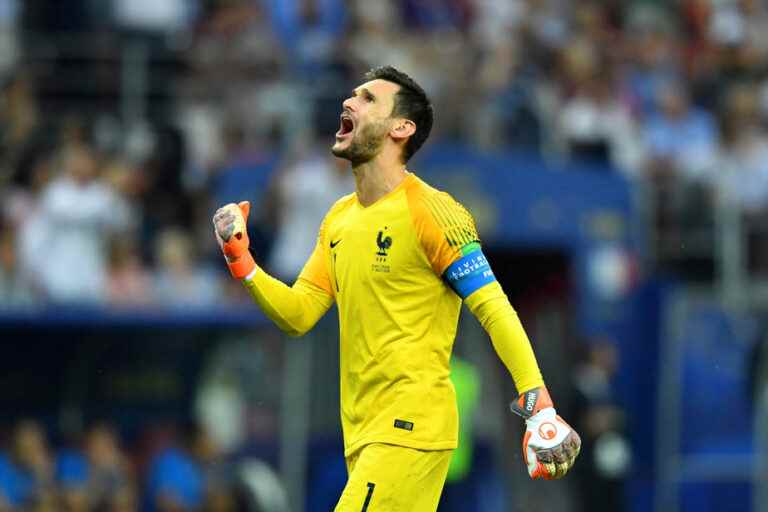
(346, 127)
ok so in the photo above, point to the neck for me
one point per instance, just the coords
(374, 180)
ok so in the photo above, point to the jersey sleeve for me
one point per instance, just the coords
(295, 309)
(493, 310)
(315, 270)
(449, 237)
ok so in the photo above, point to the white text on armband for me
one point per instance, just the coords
(469, 273)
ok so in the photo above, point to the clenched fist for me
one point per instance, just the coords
(550, 445)
(229, 224)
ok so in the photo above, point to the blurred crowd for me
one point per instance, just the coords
(125, 124)
(172, 469)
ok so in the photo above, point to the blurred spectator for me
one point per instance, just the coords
(377, 36)
(8, 486)
(308, 29)
(494, 22)
(15, 290)
(742, 24)
(72, 481)
(19, 115)
(681, 135)
(110, 485)
(593, 123)
(129, 282)
(32, 173)
(65, 244)
(682, 149)
(744, 154)
(190, 475)
(154, 16)
(744, 164)
(605, 457)
(436, 15)
(179, 280)
(305, 191)
(652, 54)
(35, 485)
(246, 175)
(509, 110)
(236, 41)
(98, 479)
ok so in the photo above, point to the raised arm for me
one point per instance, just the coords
(294, 309)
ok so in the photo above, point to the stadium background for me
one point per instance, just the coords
(614, 153)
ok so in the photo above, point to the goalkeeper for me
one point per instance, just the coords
(398, 257)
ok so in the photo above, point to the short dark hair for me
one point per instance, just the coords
(411, 102)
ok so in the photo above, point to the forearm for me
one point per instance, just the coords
(491, 307)
(294, 309)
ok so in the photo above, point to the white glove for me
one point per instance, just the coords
(550, 445)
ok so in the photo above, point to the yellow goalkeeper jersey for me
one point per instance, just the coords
(384, 266)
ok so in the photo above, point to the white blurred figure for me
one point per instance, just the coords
(740, 23)
(744, 152)
(743, 177)
(494, 22)
(305, 190)
(592, 122)
(155, 15)
(64, 245)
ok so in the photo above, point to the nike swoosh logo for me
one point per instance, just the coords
(334, 244)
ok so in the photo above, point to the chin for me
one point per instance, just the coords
(339, 150)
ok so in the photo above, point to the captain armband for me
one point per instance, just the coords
(470, 272)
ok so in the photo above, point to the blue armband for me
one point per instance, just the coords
(469, 273)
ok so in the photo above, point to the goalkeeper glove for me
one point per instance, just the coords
(230, 227)
(550, 445)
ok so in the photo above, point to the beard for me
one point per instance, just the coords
(365, 144)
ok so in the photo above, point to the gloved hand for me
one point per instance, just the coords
(229, 224)
(550, 445)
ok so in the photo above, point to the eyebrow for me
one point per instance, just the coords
(365, 90)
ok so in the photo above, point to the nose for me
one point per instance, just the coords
(349, 103)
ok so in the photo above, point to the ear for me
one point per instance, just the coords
(402, 129)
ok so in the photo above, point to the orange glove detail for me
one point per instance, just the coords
(550, 445)
(230, 223)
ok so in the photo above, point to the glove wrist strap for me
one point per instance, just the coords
(531, 402)
(242, 266)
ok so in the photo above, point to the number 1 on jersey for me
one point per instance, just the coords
(368, 496)
(335, 277)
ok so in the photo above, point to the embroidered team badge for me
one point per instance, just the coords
(383, 244)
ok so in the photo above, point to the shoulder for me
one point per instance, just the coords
(429, 204)
(442, 224)
(423, 198)
(340, 205)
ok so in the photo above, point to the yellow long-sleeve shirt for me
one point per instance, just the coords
(398, 270)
